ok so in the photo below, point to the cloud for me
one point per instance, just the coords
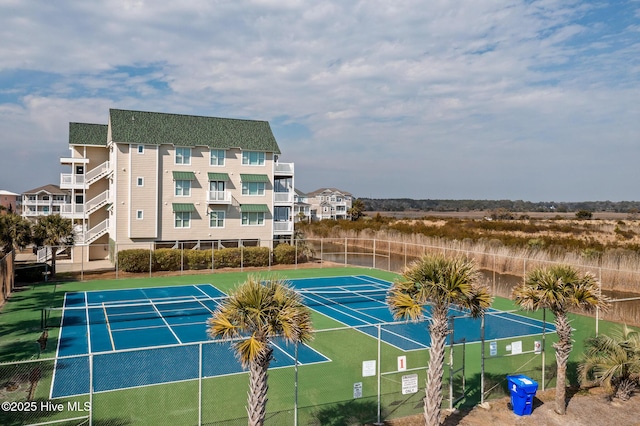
(418, 89)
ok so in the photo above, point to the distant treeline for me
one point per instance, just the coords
(408, 204)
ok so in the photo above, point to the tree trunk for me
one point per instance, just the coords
(257, 398)
(438, 331)
(563, 350)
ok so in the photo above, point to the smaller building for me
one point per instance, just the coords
(329, 203)
(44, 201)
(301, 207)
(10, 201)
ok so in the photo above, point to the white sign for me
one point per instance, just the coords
(357, 390)
(493, 348)
(516, 348)
(368, 368)
(537, 346)
(409, 384)
(402, 363)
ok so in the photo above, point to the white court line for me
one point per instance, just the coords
(106, 318)
(165, 321)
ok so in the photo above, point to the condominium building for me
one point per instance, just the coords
(329, 203)
(155, 178)
(44, 201)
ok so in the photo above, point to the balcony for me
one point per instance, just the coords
(72, 211)
(283, 197)
(282, 228)
(219, 197)
(283, 169)
(71, 181)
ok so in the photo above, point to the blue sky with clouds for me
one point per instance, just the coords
(479, 99)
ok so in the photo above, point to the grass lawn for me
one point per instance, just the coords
(325, 390)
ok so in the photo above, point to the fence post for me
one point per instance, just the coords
(321, 252)
(379, 361)
(150, 258)
(374, 257)
(482, 360)
(346, 247)
(200, 384)
(90, 389)
(295, 385)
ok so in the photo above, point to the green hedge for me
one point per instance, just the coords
(137, 260)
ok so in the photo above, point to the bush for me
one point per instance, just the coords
(167, 260)
(134, 260)
(198, 259)
(226, 258)
(284, 254)
(255, 256)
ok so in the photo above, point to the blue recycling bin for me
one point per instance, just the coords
(523, 390)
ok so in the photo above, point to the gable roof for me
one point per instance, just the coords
(87, 134)
(51, 189)
(327, 190)
(156, 128)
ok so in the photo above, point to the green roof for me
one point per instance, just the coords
(254, 208)
(87, 134)
(253, 178)
(156, 128)
(219, 176)
(184, 176)
(183, 207)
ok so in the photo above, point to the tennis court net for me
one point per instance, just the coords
(198, 309)
(342, 297)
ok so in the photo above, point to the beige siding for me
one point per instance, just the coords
(143, 198)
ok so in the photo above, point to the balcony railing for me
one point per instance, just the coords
(219, 197)
(283, 169)
(283, 197)
(68, 181)
(282, 227)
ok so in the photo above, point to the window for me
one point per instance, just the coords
(139, 214)
(253, 158)
(217, 157)
(216, 190)
(252, 188)
(216, 219)
(140, 149)
(253, 218)
(182, 219)
(140, 181)
(183, 188)
(183, 155)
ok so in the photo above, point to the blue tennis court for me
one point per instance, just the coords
(359, 301)
(141, 337)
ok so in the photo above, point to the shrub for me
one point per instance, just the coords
(284, 254)
(167, 259)
(226, 258)
(255, 256)
(198, 259)
(134, 260)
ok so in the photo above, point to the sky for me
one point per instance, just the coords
(535, 100)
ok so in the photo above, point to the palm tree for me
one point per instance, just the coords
(357, 209)
(613, 362)
(441, 283)
(15, 232)
(560, 289)
(255, 313)
(54, 231)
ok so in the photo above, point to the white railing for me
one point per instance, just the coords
(282, 227)
(97, 172)
(72, 210)
(283, 168)
(223, 197)
(283, 197)
(97, 202)
(70, 180)
(96, 232)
